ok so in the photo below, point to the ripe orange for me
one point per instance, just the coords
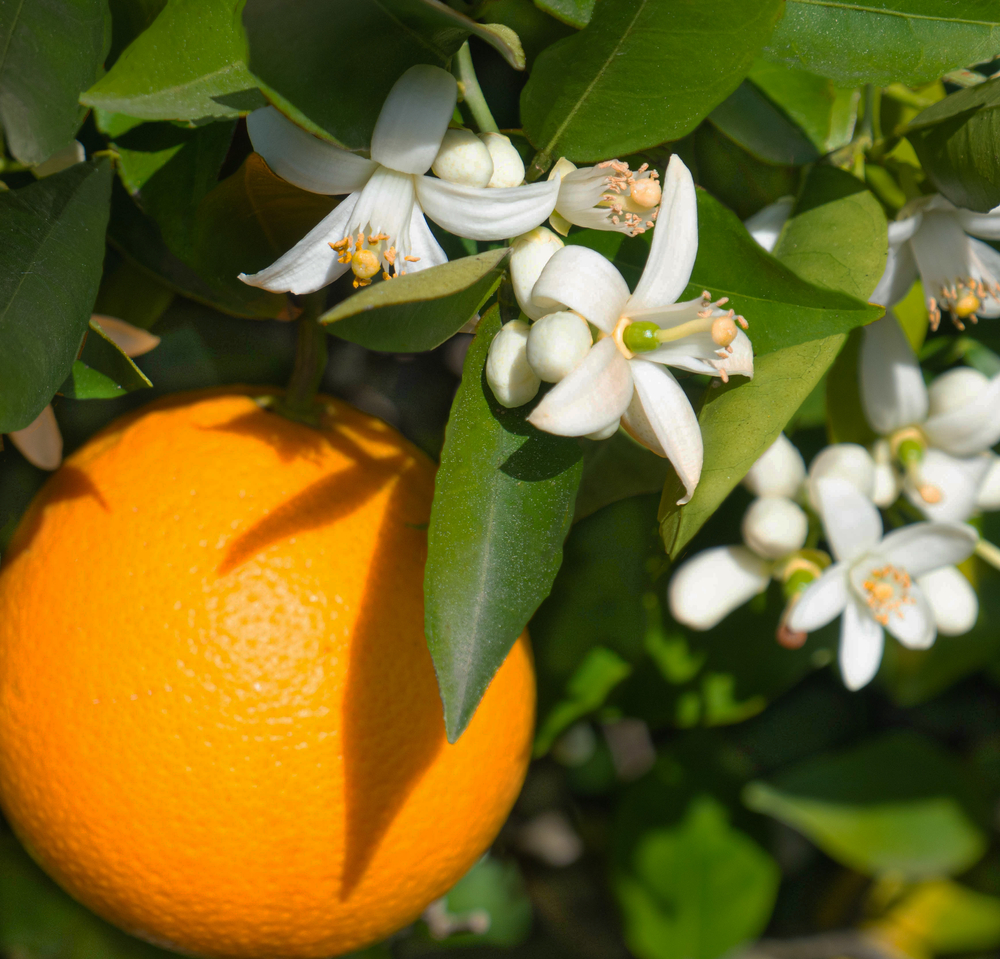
(219, 722)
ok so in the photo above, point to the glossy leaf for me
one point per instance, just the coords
(885, 41)
(51, 50)
(52, 248)
(825, 112)
(103, 371)
(576, 13)
(421, 310)
(503, 503)
(189, 64)
(329, 86)
(597, 94)
(836, 236)
(695, 890)
(956, 139)
(895, 805)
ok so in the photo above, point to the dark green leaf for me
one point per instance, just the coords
(757, 125)
(52, 49)
(846, 416)
(128, 19)
(824, 111)
(695, 890)
(885, 41)
(895, 805)
(615, 469)
(52, 243)
(329, 85)
(103, 370)
(956, 139)
(190, 64)
(576, 13)
(626, 82)
(503, 502)
(421, 310)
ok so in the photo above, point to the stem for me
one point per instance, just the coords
(310, 362)
(473, 93)
(989, 553)
(871, 127)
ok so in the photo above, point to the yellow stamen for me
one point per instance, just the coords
(888, 590)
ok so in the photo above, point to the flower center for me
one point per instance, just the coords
(644, 336)
(886, 590)
(908, 446)
(366, 261)
(631, 196)
(963, 298)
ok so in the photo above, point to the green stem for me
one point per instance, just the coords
(310, 362)
(871, 127)
(473, 93)
(989, 553)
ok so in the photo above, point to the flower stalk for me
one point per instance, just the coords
(299, 402)
(472, 92)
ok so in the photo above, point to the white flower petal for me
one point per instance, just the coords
(675, 242)
(984, 225)
(954, 482)
(661, 418)
(942, 252)
(893, 393)
(952, 599)
(780, 470)
(988, 497)
(305, 160)
(699, 353)
(580, 279)
(984, 264)
(414, 117)
(40, 442)
(899, 275)
(821, 602)
(971, 428)
(913, 623)
(924, 547)
(131, 340)
(955, 389)
(861, 644)
(774, 526)
(850, 519)
(709, 586)
(765, 225)
(528, 256)
(508, 167)
(592, 397)
(487, 213)
(419, 242)
(847, 461)
(902, 230)
(311, 264)
(887, 481)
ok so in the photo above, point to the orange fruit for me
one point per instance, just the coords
(219, 723)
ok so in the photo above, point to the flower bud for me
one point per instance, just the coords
(780, 471)
(846, 461)
(774, 526)
(512, 380)
(957, 388)
(606, 433)
(508, 167)
(557, 343)
(40, 442)
(463, 158)
(887, 481)
(952, 600)
(529, 254)
(710, 585)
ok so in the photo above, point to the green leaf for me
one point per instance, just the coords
(331, 85)
(757, 125)
(695, 890)
(626, 83)
(615, 469)
(492, 892)
(52, 243)
(52, 49)
(846, 416)
(419, 311)
(587, 689)
(576, 13)
(129, 19)
(103, 370)
(190, 64)
(956, 139)
(824, 111)
(894, 805)
(503, 503)
(885, 41)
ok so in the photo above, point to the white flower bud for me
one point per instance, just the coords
(952, 600)
(887, 480)
(846, 461)
(780, 471)
(512, 380)
(774, 526)
(766, 224)
(508, 167)
(40, 442)
(988, 497)
(463, 158)
(557, 343)
(710, 585)
(952, 390)
(606, 433)
(529, 254)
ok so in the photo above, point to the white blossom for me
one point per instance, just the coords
(508, 372)
(780, 471)
(609, 196)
